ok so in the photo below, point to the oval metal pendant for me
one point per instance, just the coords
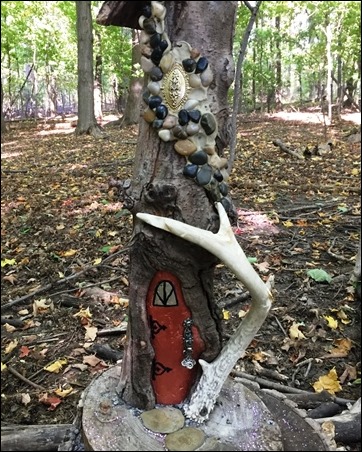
(175, 87)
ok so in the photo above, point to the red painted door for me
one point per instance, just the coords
(173, 338)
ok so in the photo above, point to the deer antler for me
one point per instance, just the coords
(224, 246)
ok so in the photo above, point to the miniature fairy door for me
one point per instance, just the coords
(176, 341)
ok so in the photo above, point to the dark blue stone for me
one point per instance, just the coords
(163, 45)
(149, 25)
(154, 101)
(183, 117)
(156, 56)
(226, 204)
(194, 115)
(156, 74)
(224, 189)
(218, 176)
(147, 11)
(198, 158)
(155, 40)
(157, 123)
(161, 111)
(204, 175)
(189, 64)
(201, 65)
(190, 171)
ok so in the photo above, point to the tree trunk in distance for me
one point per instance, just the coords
(98, 80)
(3, 124)
(87, 123)
(159, 187)
(131, 113)
(242, 53)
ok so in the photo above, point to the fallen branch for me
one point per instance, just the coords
(285, 148)
(347, 424)
(24, 379)
(34, 437)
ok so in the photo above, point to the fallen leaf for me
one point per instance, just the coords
(295, 333)
(24, 351)
(83, 313)
(328, 382)
(9, 328)
(68, 253)
(11, 278)
(92, 360)
(332, 323)
(11, 346)
(226, 314)
(63, 392)
(42, 306)
(91, 333)
(3, 367)
(56, 366)
(25, 398)
(6, 262)
(52, 402)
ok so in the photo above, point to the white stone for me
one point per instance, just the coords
(165, 135)
(158, 10)
(191, 104)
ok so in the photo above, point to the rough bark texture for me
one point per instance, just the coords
(159, 188)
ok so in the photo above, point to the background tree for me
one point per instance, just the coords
(86, 118)
(132, 111)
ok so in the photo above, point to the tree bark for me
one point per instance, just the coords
(3, 124)
(242, 52)
(34, 437)
(132, 111)
(159, 187)
(87, 123)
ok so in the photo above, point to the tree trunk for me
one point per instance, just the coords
(132, 111)
(3, 124)
(178, 273)
(329, 71)
(242, 53)
(98, 80)
(87, 123)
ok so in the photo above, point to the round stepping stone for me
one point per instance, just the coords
(188, 438)
(163, 420)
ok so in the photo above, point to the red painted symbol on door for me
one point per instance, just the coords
(167, 311)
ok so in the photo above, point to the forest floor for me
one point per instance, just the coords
(64, 267)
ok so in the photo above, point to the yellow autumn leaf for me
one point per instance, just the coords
(288, 224)
(295, 333)
(97, 261)
(3, 367)
(112, 233)
(63, 392)
(99, 232)
(56, 367)
(355, 171)
(67, 253)
(332, 323)
(226, 314)
(328, 382)
(83, 313)
(10, 347)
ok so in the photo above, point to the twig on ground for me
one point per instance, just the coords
(24, 379)
(282, 388)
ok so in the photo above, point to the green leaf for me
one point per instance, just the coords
(319, 275)
(252, 260)
(105, 249)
